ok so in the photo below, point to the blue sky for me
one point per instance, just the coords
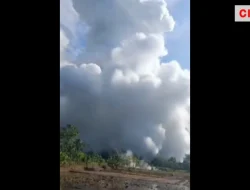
(178, 42)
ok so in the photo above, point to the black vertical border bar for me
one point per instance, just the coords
(219, 76)
(43, 96)
(31, 88)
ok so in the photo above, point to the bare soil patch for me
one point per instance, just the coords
(98, 179)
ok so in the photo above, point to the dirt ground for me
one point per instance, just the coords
(72, 179)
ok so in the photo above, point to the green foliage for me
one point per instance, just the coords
(71, 151)
(171, 163)
(64, 158)
(94, 159)
(114, 161)
(82, 156)
(70, 143)
(97, 159)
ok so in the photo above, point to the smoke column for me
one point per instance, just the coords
(116, 89)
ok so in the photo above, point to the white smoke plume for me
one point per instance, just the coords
(117, 90)
(129, 157)
(141, 164)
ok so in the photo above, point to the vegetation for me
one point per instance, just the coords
(171, 163)
(72, 152)
(71, 147)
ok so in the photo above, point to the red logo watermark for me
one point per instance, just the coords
(242, 13)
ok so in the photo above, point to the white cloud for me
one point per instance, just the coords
(68, 16)
(64, 41)
(117, 92)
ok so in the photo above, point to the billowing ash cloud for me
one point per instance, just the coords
(117, 91)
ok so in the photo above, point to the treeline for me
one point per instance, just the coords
(72, 151)
(171, 163)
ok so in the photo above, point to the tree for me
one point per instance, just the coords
(172, 163)
(97, 159)
(114, 161)
(135, 160)
(64, 159)
(82, 156)
(186, 162)
(94, 158)
(70, 143)
(187, 158)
